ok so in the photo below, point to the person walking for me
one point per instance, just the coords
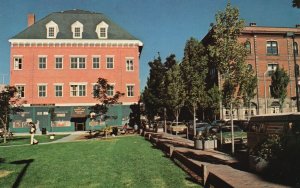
(32, 132)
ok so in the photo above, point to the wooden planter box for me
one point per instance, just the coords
(205, 144)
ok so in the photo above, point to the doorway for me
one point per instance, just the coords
(79, 126)
(79, 123)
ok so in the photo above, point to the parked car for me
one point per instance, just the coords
(200, 128)
(243, 124)
(218, 122)
(224, 133)
(177, 127)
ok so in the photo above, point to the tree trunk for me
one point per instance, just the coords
(232, 131)
(5, 127)
(194, 116)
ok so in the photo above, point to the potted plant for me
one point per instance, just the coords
(205, 141)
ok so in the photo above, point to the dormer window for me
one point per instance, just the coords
(102, 30)
(52, 29)
(77, 29)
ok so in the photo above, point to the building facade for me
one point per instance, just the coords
(268, 48)
(56, 61)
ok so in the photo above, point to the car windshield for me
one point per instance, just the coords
(199, 125)
(179, 123)
(228, 129)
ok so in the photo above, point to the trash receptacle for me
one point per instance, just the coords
(44, 131)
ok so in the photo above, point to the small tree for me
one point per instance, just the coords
(279, 83)
(175, 90)
(214, 98)
(154, 90)
(194, 70)
(228, 55)
(100, 93)
(248, 89)
(10, 103)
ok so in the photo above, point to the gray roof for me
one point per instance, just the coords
(65, 19)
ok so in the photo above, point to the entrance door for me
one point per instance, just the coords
(79, 126)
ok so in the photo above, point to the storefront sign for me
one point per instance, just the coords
(79, 112)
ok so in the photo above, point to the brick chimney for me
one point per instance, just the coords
(30, 19)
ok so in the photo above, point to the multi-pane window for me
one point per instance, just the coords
(102, 32)
(21, 90)
(296, 48)
(248, 47)
(77, 32)
(77, 62)
(42, 62)
(51, 32)
(110, 90)
(18, 63)
(130, 90)
(109, 62)
(42, 90)
(96, 62)
(78, 90)
(58, 90)
(129, 64)
(58, 62)
(272, 48)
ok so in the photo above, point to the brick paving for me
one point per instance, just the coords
(221, 164)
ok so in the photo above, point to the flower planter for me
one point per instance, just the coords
(205, 144)
(257, 164)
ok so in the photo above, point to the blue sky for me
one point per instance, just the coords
(162, 25)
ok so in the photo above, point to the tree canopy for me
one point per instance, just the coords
(279, 83)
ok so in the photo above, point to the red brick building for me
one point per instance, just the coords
(269, 47)
(55, 63)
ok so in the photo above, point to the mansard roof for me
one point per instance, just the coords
(65, 19)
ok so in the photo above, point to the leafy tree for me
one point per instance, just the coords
(296, 3)
(175, 90)
(214, 98)
(248, 88)
(279, 83)
(10, 103)
(154, 90)
(194, 71)
(100, 93)
(228, 55)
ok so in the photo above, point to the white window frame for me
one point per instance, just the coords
(132, 91)
(18, 63)
(99, 30)
(44, 63)
(107, 63)
(78, 63)
(77, 25)
(22, 92)
(62, 90)
(93, 62)
(56, 63)
(39, 90)
(49, 26)
(78, 92)
(129, 64)
(108, 92)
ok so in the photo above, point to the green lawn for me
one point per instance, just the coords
(118, 162)
(20, 140)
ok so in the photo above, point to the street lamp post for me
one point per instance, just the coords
(265, 92)
(291, 34)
